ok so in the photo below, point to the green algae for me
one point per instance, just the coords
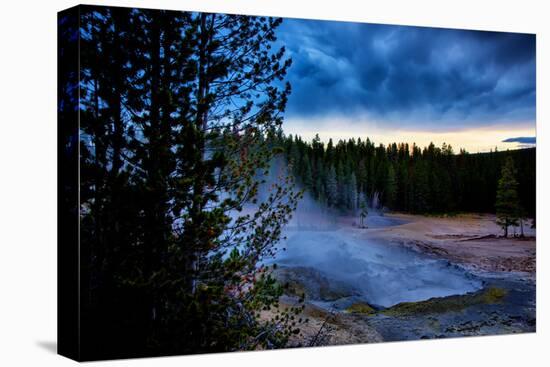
(361, 308)
(447, 304)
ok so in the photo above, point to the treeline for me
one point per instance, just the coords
(405, 177)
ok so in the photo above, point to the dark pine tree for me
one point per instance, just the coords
(175, 115)
(507, 201)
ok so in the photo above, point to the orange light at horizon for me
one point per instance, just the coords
(473, 140)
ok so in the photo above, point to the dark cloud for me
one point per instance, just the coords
(409, 75)
(521, 140)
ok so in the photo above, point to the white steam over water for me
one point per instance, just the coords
(383, 275)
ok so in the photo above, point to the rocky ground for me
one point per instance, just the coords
(325, 327)
(505, 304)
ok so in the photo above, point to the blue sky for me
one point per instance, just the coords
(398, 82)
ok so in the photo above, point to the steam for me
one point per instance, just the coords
(382, 274)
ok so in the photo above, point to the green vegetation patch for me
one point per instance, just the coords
(447, 304)
(493, 295)
(361, 308)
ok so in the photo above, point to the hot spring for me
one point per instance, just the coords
(382, 274)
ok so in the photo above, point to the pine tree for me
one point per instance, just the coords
(342, 191)
(295, 159)
(307, 176)
(420, 189)
(507, 201)
(402, 200)
(352, 193)
(362, 176)
(174, 135)
(320, 181)
(332, 187)
(391, 187)
(363, 209)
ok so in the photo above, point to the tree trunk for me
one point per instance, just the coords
(154, 215)
(202, 125)
(521, 228)
(506, 230)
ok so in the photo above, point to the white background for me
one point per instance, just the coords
(28, 182)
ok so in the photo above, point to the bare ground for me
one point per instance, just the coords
(474, 241)
(326, 328)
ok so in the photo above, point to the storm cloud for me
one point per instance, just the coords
(409, 76)
(522, 140)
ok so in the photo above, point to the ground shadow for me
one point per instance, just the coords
(50, 346)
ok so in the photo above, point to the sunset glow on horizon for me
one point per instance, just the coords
(472, 139)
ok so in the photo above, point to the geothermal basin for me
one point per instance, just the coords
(381, 274)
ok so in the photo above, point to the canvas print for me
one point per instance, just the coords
(235, 183)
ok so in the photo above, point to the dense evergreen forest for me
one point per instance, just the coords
(406, 178)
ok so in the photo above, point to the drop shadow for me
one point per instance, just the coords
(50, 346)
